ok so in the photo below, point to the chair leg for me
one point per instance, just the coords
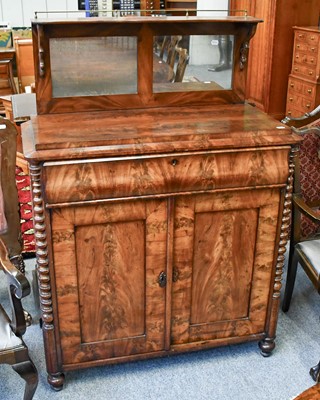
(291, 277)
(29, 373)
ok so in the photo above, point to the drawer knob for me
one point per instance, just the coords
(291, 98)
(292, 85)
(296, 69)
(310, 73)
(298, 46)
(300, 35)
(309, 90)
(297, 56)
(313, 48)
(289, 113)
(312, 37)
(174, 162)
(308, 105)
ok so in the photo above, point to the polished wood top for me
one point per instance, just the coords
(312, 393)
(149, 131)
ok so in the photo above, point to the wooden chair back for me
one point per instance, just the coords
(183, 58)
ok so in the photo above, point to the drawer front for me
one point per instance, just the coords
(300, 103)
(310, 38)
(305, 47)
(89, 180)
(305, 59)
(308, 72)
(298, 87)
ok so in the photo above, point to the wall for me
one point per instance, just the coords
(20, 12)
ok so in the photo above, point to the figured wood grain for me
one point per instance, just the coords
(106, 270)
(224, 309)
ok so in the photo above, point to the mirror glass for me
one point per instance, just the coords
(93, 66)
(195, 62)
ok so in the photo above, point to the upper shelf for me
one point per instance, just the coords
(89, 64)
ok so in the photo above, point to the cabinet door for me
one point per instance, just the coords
(107, 259)
(223, 264)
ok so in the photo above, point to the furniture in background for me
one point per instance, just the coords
(162, 216)
(304, 80)
(24, 60)
(183, 58)
(305, 238)
(305, 227)
(13, 350)
(179, 7)
(270, 52)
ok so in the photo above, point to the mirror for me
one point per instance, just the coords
(93, 66)
(195, 62)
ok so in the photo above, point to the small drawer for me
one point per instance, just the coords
(305, 71)
(312, 38)
(296, 86)
(90, 180)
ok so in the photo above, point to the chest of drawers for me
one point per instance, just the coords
(304, 80)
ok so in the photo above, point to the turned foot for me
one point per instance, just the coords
(56, 381)
(315, 372)
(266, 346)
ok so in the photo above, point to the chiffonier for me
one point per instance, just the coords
(304, 80)
(161, 204)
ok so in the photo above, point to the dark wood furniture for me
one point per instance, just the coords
(271, 48)
(13, 350)
(304, 80)
(161, 217)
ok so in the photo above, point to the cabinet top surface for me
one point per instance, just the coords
(150, 131)
(308, 28)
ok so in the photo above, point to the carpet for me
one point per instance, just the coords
(26, 218)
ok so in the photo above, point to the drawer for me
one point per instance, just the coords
(310, 49)
(310, 38)
(89, 180)
(300, 103)
(305, 58)
(296, 86)
(308, 72)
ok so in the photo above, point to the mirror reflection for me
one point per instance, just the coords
(188, 63)
(93, 66)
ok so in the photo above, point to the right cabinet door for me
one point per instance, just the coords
(223, 261)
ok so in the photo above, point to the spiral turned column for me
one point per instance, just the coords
(55, 377)
(268, 343)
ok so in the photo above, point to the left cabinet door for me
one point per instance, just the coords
(107, 259)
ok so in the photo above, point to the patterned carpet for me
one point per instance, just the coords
(24, 194)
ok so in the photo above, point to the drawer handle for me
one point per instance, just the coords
(309, 90)
(289, 113)
(297, 56)
(312, 60)
(313, 48)
(162, 279)
(308, 105)
(300, 35)
(291, 98)
(312, 37)
(292, 85)
(174, 162)
(296, 69)
(298, 46)
(310, 73)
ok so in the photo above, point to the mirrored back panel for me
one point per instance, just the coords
(192, 63)
(130, 62)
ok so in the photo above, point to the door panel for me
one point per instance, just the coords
(109, 301)
(223, 258)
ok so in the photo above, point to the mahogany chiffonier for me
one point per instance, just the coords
(161, 205)
(304, 81)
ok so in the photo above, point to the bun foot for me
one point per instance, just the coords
(266, 347)
(56, 381)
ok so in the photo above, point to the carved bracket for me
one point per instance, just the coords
(244, 54)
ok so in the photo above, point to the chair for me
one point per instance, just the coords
(13, 350)
(168, 48)
(182, 64)
(305, 227)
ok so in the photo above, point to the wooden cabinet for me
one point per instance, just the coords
(304, 80)
(271, 49)
(160, 227)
